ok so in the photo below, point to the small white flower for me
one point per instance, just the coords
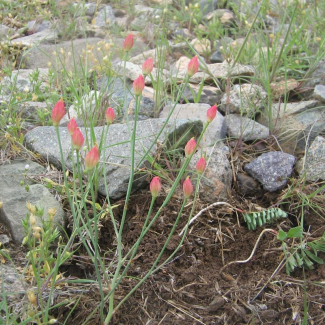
(157, 16)
(26, 167)
(26, 89)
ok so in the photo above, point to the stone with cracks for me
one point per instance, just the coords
(216, 131)
(217, 177)
(43, 140)
(272, 169)
(14, 197)
(313, 163)
(245, 128)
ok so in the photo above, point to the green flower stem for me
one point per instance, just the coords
(97, 255)
(128, 194)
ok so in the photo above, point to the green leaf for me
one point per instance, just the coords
(295, 232)
(314, 257)
(282, 235)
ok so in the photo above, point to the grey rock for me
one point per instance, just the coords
(5, 31)
(40, 56)
(46, 36)
(271, 169)
(87, 9)
(36, 26)
(4, 240)
(132, 71)
(14, 197)
(317, 77)
(216, 131)
(117, 150)
(243, 99)
(105, 17)
(209, 95)
(247, 185)
(245, 128)
(12, 283)
(216, 57)
(218, 71)
(225, 16)
(20, 81)
(29, 110)
(319, 92)
(298, 124)
(312, 165)
(217, 177)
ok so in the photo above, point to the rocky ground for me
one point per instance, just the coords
(265, 150)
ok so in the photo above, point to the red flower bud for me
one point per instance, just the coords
(138, 85)
(193, 66)
(58, 112)
(72, 125)
(92, 158)
(77, 139)
(200, 165)
(187, 188)
(110, 115)
(155, 186)
(147, 66)
(190, 147)
(211, 113)
(128, 43)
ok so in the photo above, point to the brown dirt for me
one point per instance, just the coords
(192, 290)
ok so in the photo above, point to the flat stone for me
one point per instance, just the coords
(202, 46)
(216, 57)
(312, 165)
(46, 36)
(14, 197)
(282, 88)
(29, 110)
(297, 124)
(36, 26)
(245, 128)
(5, 31)
(43, 140)
(243, 99)
(217, 177)
(4, 240)
(132, 71)
(44, 55)
(216, 131)
(208, 94)
(12, 283)
(271, 169)
(87, 9)
(319, 92)
(104, 17)
(317, 77)
(219, 71)
(225, 16)
(20, 81)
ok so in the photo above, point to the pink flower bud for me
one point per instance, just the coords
(211, 113)
(58, 112)
(138, 85)
(190, 147)
(128, 43)
(147, 66)
(187, 188)
(193, 66)
(77, 139)
(155, 186)
(92, 158)
(72, 125)
(200, 165)
(110, 115)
